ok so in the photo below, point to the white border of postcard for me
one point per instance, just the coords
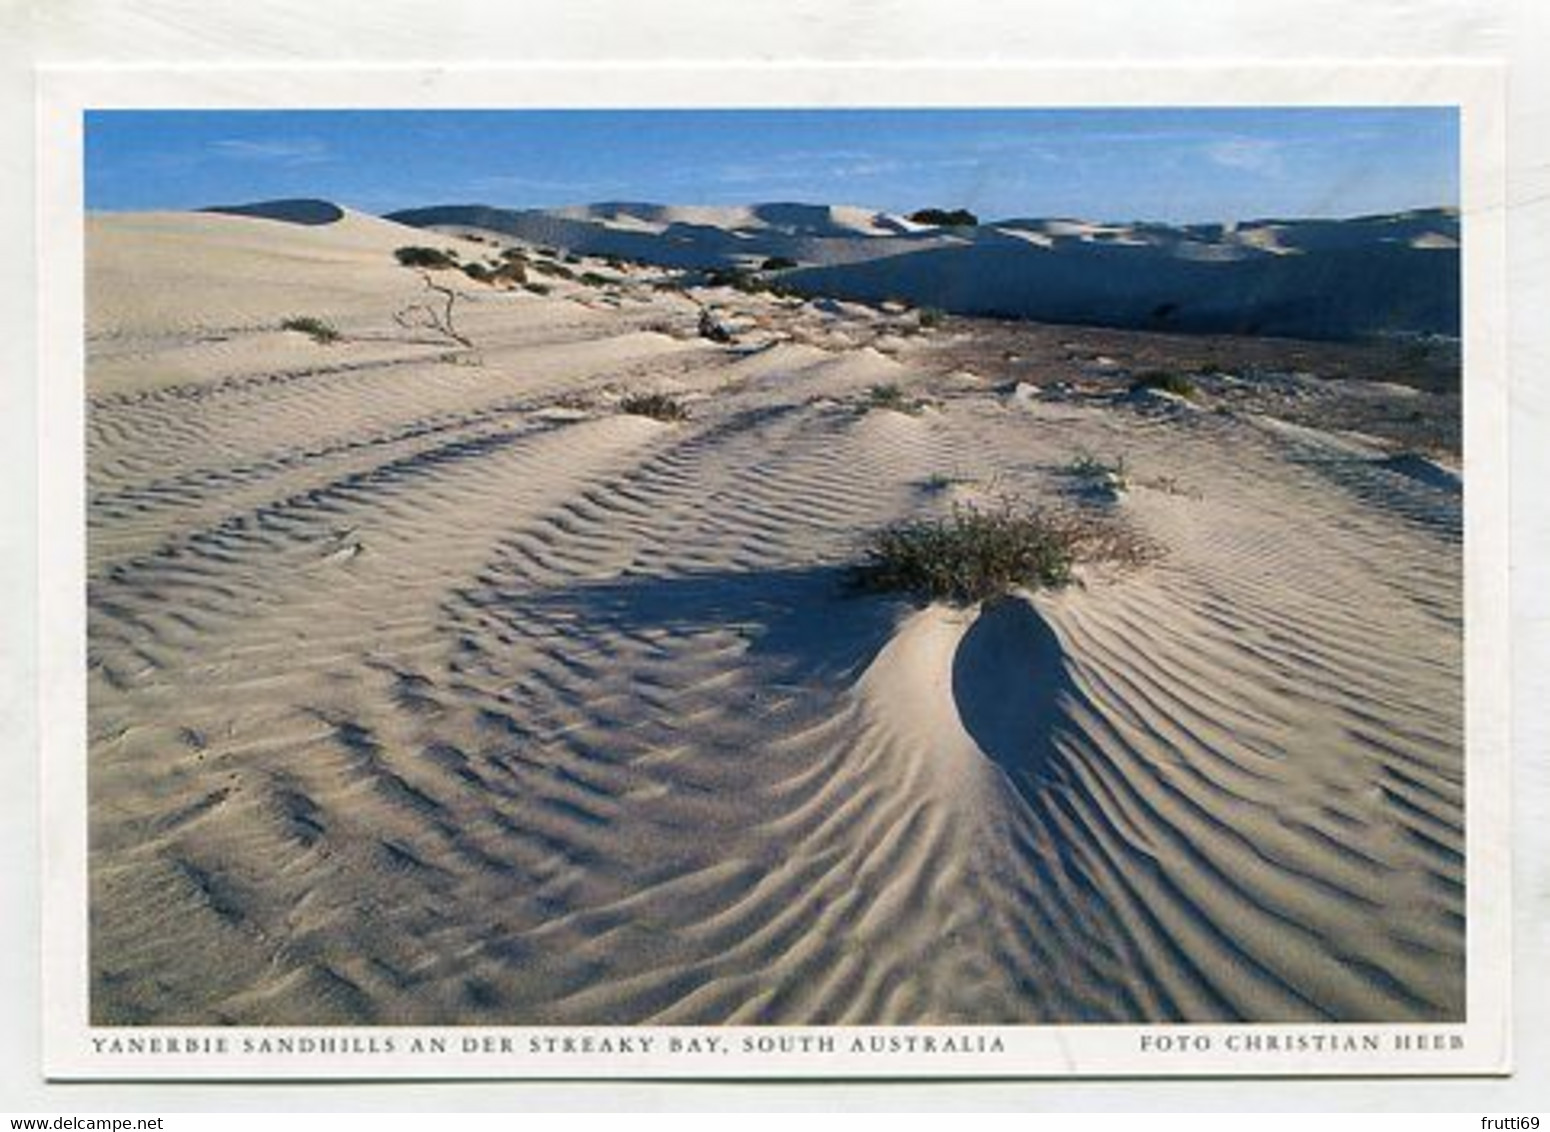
(74, 1049)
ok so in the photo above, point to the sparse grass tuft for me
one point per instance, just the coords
(657, 406)
(978, 553)
(893, 398)
(1167, 381)
(942, 481)
(537, 288)
(968, 556)
(1113, 476)
(930, 318)
(315, 328)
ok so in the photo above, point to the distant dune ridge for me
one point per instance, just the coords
(427, 686)
(1333, 279)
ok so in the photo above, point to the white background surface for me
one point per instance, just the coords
(895, 31)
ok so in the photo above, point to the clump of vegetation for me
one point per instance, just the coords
(557, 270)
(941, 218)
(1114, 476)
(893, 398)
(778, 263)
(1167, 381)
(657, 406)
(929, 318)
(593, 279)
(941, 481)
(978, 553)
(537, 288)
(433, 259)
(968, 556)
(315, 328)
(571, 257)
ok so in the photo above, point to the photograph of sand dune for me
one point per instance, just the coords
(775, 570)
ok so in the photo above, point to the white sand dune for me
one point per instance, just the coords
(427, 688)
(1311, 278)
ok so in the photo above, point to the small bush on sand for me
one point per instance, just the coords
(593, 279)
(893, 398)
(315, 328)
(557, 270)
(537, 288)
(930, 318)
(433, 258)
(1087, 467)
(657, 406)
(968, 556)
(942, 218)
(978, 553)
(778, 263)
(1167, 381)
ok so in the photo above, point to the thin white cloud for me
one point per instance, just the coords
(278, 151)
(1248, 155)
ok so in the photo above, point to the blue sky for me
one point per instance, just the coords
(1121, 164)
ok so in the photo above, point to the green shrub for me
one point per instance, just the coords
(1095, 472)
(315, 328)
(1167, 381)
(657, 406)
(557, 270)
(969, 556)
(778, 263)
(537, 288)
(432, 258)
(940, 218)
(593, 279)
(893, 398)
(930, 317)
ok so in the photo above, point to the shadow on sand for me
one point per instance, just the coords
(1011, 685)
(802, 625)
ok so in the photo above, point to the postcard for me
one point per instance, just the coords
(774, 572)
